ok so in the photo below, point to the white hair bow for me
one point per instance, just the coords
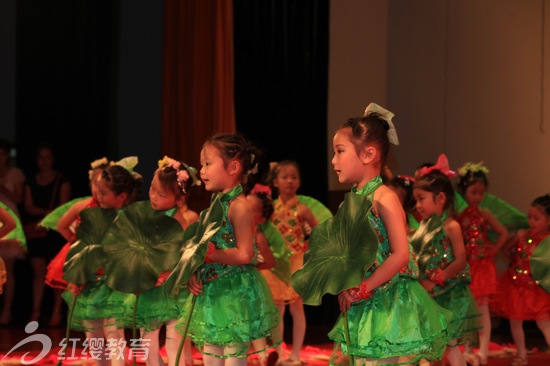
(386, 116)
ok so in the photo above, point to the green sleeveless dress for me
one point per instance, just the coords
(454, 294)
(98, 301)
(400, 319)
(235, 306)
(156, 308)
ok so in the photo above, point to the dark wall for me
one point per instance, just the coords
(281, 73)
(66, 67)
(89, 81)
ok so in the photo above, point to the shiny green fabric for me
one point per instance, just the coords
(466, 317)
(235, 305)
(401, 321)
(50, 220)
(17, 233)
(280, 252)
(156, 308)
(540, 264)
(319, 211)
(98, 301)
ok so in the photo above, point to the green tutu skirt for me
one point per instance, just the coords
(465, 324)
(155, 308)
(232, 311)
(403, 320)
(98, 301)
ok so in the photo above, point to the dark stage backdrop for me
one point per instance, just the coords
(281, 77)
(281, 73)
(65, 58)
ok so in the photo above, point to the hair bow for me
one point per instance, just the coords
(261, 188)
(386, 116)
(96, 164)
(127, 163)
(442, 165)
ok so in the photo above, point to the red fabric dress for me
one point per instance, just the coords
(54, 271)
(519, 295)
(479, 251)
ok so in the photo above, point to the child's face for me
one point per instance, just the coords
(160, 197)
(474, 193)
(347, 164)
(287, 180)
(213, 172)
(428, 203)
(539, 221)
(107, 198)
(256, 206)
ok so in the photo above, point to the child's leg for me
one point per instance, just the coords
(376, 362)
(279, 348)
(234, 361)
(9, 291)
(453, 354)
(211, 360)
(115, 341)
(39, 273)
(173, 339)
(153, 358)
(516, 327)
(99, 355)
(56, 316)
(544, 326)
(485, 332)
(298, 328)
(260, 344)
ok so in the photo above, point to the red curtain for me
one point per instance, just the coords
(198, 79)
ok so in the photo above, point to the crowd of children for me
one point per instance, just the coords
(222, 280)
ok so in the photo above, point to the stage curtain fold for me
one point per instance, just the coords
(198, 80)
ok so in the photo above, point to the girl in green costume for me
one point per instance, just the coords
(99, 310)
(390, 316)
(168, 192)
(444, 271)
(234, 305)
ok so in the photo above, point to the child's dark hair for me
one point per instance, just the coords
(543, 202)
(369, 130)
(470, 177)
(436, 182)
(406, 184)
(267, 204)
(168, 178)
(120, 180)
(277, 168)
(236, 147)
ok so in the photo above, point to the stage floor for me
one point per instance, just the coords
(316, 351)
